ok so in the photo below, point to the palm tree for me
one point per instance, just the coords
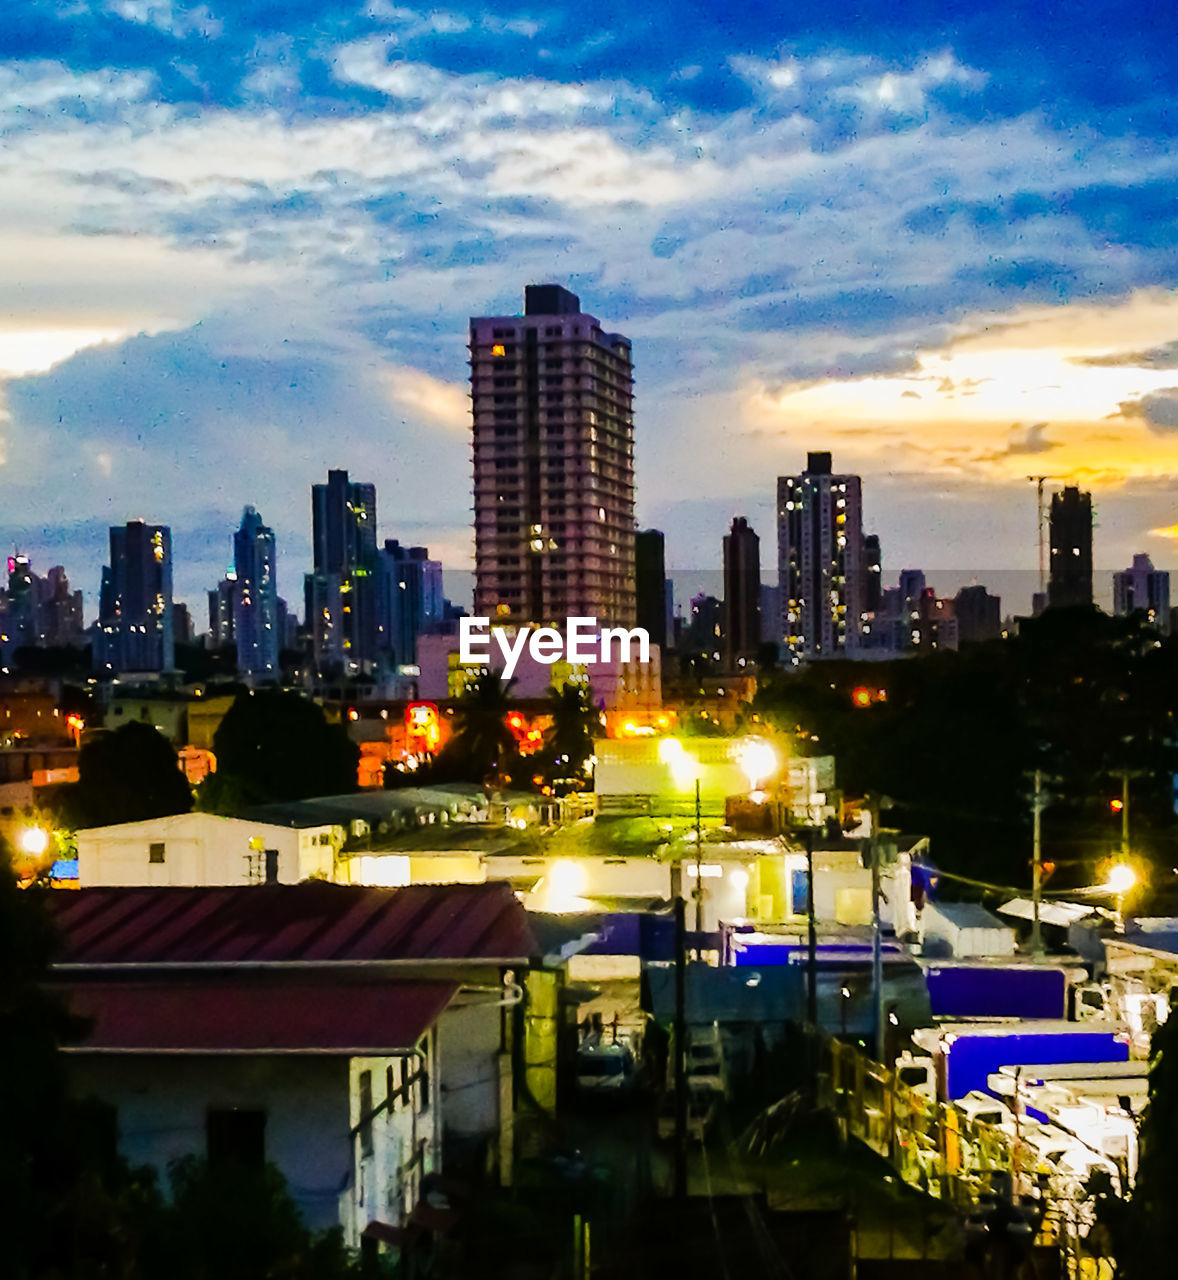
(569, 749)
(483, 746)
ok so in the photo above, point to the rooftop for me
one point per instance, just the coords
(225, 1015)
(310, 923)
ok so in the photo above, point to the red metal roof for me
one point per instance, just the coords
(310, 922)
(226, 1015)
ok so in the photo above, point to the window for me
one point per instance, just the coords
(236, 1137)
(155, 851)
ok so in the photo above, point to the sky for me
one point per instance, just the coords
(241, 243)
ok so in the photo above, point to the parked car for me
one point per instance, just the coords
(606, 1069)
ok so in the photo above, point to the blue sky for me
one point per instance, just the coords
(243, 242)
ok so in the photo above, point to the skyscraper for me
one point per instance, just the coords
(872, 573)
(135, 603)
(1070, 582)
(221, 610)
(341, 592)
(979, 615)
(650, 582)
(553, 464)
(820, 560)
(255, 606)
(1146, 588)
(742, 595)
(410, 599)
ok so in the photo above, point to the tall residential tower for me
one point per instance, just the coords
(255, 606)
(820, 560)
(134, 630)
(553, 464)
(1070, 582)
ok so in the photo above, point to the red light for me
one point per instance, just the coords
(861, 696)
(515, 720)
(1116, 805)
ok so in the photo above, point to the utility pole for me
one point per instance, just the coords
(877, 987)
(680, 1047)
(1124, 813)
(812, 932)
(1037, 866)
(699, 872)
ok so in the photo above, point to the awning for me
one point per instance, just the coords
(1052, 912)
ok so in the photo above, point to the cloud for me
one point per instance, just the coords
(1159, 410)
(1166, 531)
(1028, 440)
(1164, 356)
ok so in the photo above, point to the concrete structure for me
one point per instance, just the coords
(742, 595)
(1070, 582)
(409, 599)
(341, 591)
(135, 603)
(206, 849)
(820, 560)
(964, 929)
(1142, 587)
(255, 606)
(553, 464)
(872, 573)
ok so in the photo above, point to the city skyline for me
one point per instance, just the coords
(240, 257)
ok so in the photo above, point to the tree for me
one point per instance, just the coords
(568, 750)
(273, 746)
(482, 748)
(125, 775)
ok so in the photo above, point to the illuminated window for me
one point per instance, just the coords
(499, 349)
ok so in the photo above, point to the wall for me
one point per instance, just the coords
(162, 1101)
(468, 1046)
(199, 849)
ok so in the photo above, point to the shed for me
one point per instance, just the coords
(964, 929)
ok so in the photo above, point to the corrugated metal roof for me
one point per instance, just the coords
(226, 1015)
(310, 922)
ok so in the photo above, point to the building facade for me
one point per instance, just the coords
(341, 592)
(1070, 582)
(410, 599)
(650, 580)
(553, 464)
(134, 630)
(820, 560)
(742, 595)
(1146, 588)
(255, 605)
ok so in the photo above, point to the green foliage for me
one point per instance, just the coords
(125, 775)
(1076, 693)
(482, 748)
(274, 746)
(565, 758)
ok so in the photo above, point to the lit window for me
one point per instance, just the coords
(499, 349)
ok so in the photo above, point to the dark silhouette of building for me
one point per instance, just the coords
(704, 632)
(341, 592)
(1070, 582)
(650, 579)
(1142, 587)
(411, 600)
(872, 573)
(742, 595)
(134, 630)
(979, 615)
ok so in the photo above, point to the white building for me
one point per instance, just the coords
(206, 849)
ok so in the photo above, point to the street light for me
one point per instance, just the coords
(1121, 878)
(758, 759)
(33, 841)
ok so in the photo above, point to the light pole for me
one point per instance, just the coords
(1038, 805)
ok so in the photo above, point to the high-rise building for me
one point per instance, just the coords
(410, 599)
(181, 623)
(1146, 588)
(134, 630)
(820, 560)
(872, 573)
(255, 604)
(1070, 582)
(979, 615)
(60, 609)
(704, 632)
(650, 581)
(341, 592)
(553, 464)
(742, 595)
(221, 610)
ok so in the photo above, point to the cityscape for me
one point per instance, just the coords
(597, 836)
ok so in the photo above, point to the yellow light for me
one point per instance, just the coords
(499, 349)
(1121, 878)
(758, 759)
(33, 841)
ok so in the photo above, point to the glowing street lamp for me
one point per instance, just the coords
(758, 759)
(33, 840)
(1121, 878)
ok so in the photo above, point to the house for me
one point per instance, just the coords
(349, 1034)
(206, 849)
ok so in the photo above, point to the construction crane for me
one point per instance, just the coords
(1038, 482)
